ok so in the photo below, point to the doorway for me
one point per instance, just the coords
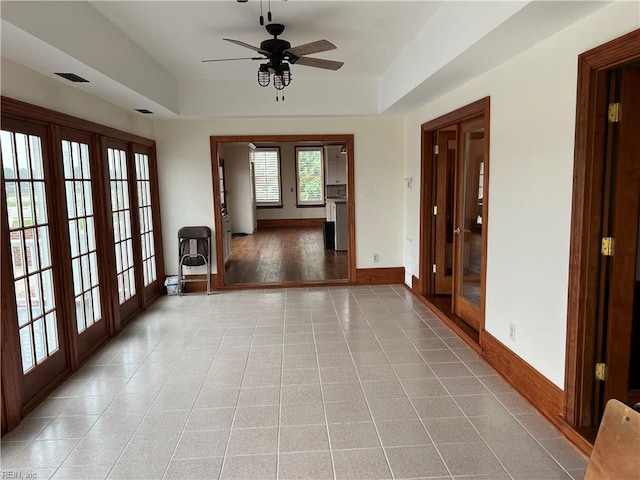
(619, 336)
(455, 160)
(603, 315)
(294, 245)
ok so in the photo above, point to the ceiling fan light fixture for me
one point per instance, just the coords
(278, 81)
(286, 75)
(264, 77)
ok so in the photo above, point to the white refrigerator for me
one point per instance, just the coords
(342, 226)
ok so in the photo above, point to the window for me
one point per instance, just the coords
(82, 233)
(69, 280)
(309, 176)
(266, 164)
(121, 214)
(145, 214)
(26, 198)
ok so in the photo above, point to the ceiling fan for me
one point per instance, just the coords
(280, 54)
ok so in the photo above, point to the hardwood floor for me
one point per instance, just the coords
(277, 255)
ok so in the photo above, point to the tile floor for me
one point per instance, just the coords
(340, 382)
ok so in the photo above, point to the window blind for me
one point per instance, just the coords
(266, 163)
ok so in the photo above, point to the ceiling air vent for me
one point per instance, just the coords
(144, 110)
(72, 77)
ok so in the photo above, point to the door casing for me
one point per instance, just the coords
(348, 139)
(589, 154)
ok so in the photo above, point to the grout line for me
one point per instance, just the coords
(324, 408)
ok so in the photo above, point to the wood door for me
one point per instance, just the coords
(623, 306)
(81, 176)
(124, 230)
(148, 221)
(32, 287)
(468, 241)
(445, 181)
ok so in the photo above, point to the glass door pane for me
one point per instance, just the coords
(26, 202)
(472, 198)
(82, 233)
(145, 214)
(121, 216)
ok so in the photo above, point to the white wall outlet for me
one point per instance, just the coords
(376, 258)
(512, 332)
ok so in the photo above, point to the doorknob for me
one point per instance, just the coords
(457, 231)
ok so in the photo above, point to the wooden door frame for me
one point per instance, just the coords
(586, 210)
(347, 139)
(427, 187)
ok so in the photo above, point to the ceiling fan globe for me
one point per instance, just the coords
(264, 76)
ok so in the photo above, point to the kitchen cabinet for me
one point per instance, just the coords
(226, 236)
(335, 165)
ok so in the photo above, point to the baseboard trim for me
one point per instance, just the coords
(379, 276)
(291, 222)
(544, 395)
(416, 285)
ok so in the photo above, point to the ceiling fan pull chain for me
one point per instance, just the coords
(261, 16)
(269, 12)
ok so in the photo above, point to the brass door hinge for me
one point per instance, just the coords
(436, 149)
(601, 371)
(433, 268)
(607, 247)
(435, 210)
(614, 113)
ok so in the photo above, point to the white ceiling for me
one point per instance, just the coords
(181, 34)
(147, 54)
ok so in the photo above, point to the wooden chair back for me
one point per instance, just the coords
(616, 453)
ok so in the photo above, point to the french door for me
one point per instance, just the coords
(455, 166)
(134, 225)
(82, 194)
(81, 246)
(124, 231)
(459, 190)
(34, 280)
(146, 196)
(468, 223)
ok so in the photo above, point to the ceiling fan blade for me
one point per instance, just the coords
(246, 45)
(229, 59)
(319, 63)
(313, 47)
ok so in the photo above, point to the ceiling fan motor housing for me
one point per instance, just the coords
(275, 45)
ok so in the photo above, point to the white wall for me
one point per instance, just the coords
(530, 183)
(238, 181)
(184, 168)
(29, 86)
